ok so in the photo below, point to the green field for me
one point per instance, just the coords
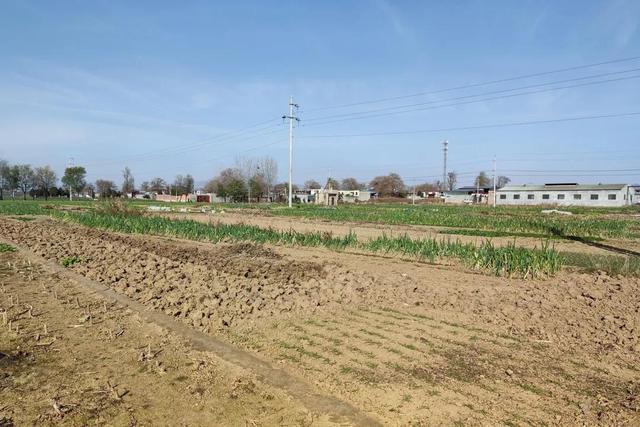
(589, 223)
(509, 260)
(584, 222)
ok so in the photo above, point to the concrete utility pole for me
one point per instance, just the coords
(445, 143)
(494, 182)
(291, 118)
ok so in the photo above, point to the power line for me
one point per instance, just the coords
(590, 175)
(227, 138)
(495, 92)
(486, 83)
(475, 127)
(254, 148)
(432, 107)
(571, 170)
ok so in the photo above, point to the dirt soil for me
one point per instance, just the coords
(407, 343)
(367, 231)
(69, 356)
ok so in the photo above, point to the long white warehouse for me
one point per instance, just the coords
(569, 194)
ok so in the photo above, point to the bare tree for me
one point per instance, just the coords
(332, 184)
(24, 178)
(157, 185)
(351, 184)
(427, 187)
(268, 169)
(247, 167)
(106, 188)
(312, 184)
(501, 181)
(90, 189)
(44, 179)
(452, 180)
(128, 182)
(389, 185)
(183, 184)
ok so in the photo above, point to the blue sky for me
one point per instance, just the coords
(171, 87)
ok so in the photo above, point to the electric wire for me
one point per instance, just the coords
(472, 85)
(453, 104)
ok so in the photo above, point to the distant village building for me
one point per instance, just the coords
(331, 197)
(326, 196)
(569, 194)
(303, 196)
(353, 196)
(172, 198)
(468, 195)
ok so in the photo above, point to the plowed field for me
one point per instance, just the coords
(373, 339)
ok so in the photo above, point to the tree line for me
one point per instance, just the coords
(249, 179)
(42, 182)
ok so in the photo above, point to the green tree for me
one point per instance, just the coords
(258, 186)
(74, 179)
(482, 180)
(236, 190)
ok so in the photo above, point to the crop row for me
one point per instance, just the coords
(468, 220)
(501, 219)
(509, 260)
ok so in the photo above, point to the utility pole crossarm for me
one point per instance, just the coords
(291, 118)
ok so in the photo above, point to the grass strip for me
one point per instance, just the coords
(613, 265)
(495, 233)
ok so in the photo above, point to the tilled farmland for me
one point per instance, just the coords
(404, 342)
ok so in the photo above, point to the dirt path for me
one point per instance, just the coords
(404, 342)
(368, 231)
